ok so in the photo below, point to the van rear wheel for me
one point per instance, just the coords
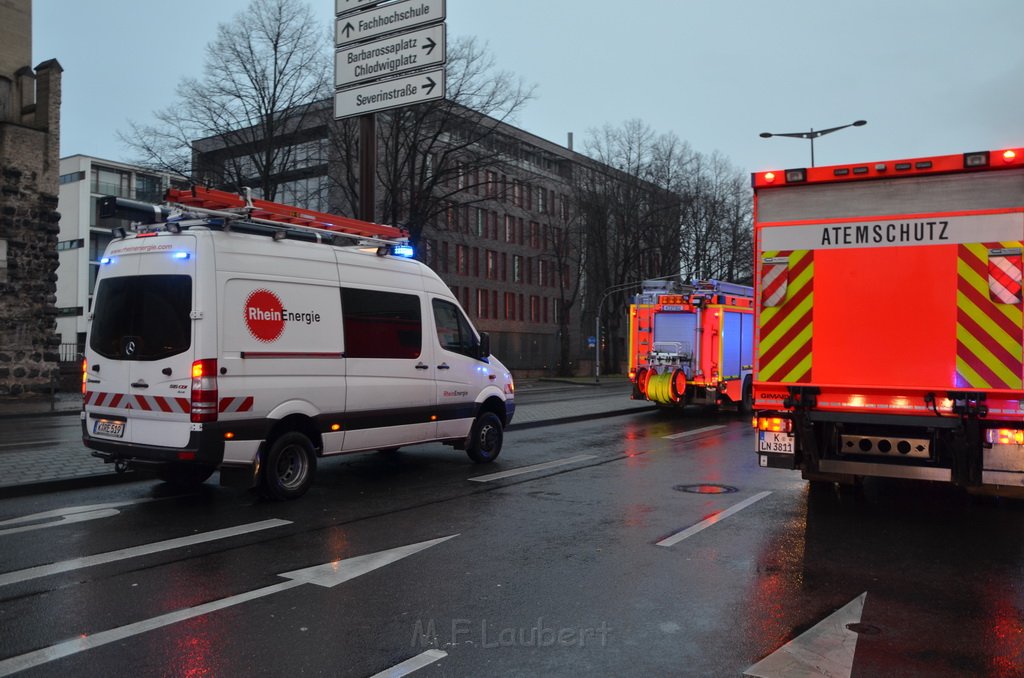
(485, 438)
(289, 467)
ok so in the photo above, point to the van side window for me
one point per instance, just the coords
(453, 330)
(381, 324)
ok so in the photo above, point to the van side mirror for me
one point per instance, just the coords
(484, 350)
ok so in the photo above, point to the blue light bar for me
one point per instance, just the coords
(406, 251)
(182, 255)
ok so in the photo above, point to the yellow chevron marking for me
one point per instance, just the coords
(798, 343)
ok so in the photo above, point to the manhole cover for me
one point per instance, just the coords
(705, 489)
(864, 629)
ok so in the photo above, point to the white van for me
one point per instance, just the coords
(255, 348)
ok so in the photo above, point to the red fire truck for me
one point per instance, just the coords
(691, 344)
(889, 320)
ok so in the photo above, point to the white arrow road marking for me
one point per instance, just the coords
(328, 574)
(410, 665)
(530, 469)
(686, 434)
(825, 650)
(135, 551)
(704, 524)
(69, 514)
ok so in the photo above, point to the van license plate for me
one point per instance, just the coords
(109, 428)
(779, 443)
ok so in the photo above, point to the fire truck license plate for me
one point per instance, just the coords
(105, 427)
(779, 443)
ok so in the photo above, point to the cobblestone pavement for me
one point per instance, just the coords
(42, 466)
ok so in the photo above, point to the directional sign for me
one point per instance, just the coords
(398, 16)
(390, 56)
(384, 94)
(345, 6)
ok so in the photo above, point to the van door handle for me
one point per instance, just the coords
(140, 384)
(421, 366)
(444, 366)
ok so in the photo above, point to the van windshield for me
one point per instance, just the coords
(143, 317)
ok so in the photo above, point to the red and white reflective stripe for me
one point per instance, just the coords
(138, 402)
(236, 404)
(774, 283)
(1004, 276)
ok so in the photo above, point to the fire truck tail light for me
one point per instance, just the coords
(1009, 156)
(774, 424)
(1004, 436)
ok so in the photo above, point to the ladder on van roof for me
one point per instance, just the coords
(285, 215)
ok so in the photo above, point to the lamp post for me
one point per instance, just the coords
(597, 319)
(812, 134)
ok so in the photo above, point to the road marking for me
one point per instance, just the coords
(410, 665)
(328, 574)
(694, 432)
(530, 469)
(718, 517)
(827, 649)
(30, 443)
(70, 514)
(136, 551)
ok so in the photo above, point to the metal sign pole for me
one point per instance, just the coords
(367, 167)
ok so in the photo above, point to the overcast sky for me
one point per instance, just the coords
(931, 77)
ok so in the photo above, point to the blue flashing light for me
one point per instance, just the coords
(405, 251)
(106, 260)
(182, 255)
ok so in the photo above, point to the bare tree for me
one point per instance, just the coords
(631, 218)
(265, 74)
(433, 154)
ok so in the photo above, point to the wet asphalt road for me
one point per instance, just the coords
(574, 568)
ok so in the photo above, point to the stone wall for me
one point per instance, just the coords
(28, 284)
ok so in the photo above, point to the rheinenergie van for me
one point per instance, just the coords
(227, 339)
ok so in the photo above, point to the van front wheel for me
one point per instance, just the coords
(289, 467)
(485, 438)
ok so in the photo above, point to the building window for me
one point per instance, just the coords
(461, 260)
(510, 229)
(517, 268)
(71, 178)
(65, 245)
(510, 306)
(492, 265)
(535, 235)
(534, 309)
(444, 257)
(481, 303)
(542, 203)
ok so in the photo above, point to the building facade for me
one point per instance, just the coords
(84, 235)
(29, 151)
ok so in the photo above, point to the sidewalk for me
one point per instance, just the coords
(39, 469)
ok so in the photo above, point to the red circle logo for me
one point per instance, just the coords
(264, 315)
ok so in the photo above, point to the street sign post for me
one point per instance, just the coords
(392, 18)
(390, 56)
(380, 95)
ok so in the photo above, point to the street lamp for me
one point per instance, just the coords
(597, 319)
(812, 134)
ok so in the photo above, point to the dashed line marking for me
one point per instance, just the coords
(716, 518)
(530, 469)
(414, 664)
(686, 434)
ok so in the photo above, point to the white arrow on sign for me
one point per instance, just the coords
(328, 574)
(390, 56)
(382, 95)
(398, 16)
(825, 650)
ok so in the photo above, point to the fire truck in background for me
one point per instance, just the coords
(889, 320)
(692, 344)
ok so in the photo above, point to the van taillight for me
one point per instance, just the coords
(85, 367)
(204, 390)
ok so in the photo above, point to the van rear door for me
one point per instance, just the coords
(140, 348)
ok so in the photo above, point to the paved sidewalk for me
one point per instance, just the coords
(46, 468)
